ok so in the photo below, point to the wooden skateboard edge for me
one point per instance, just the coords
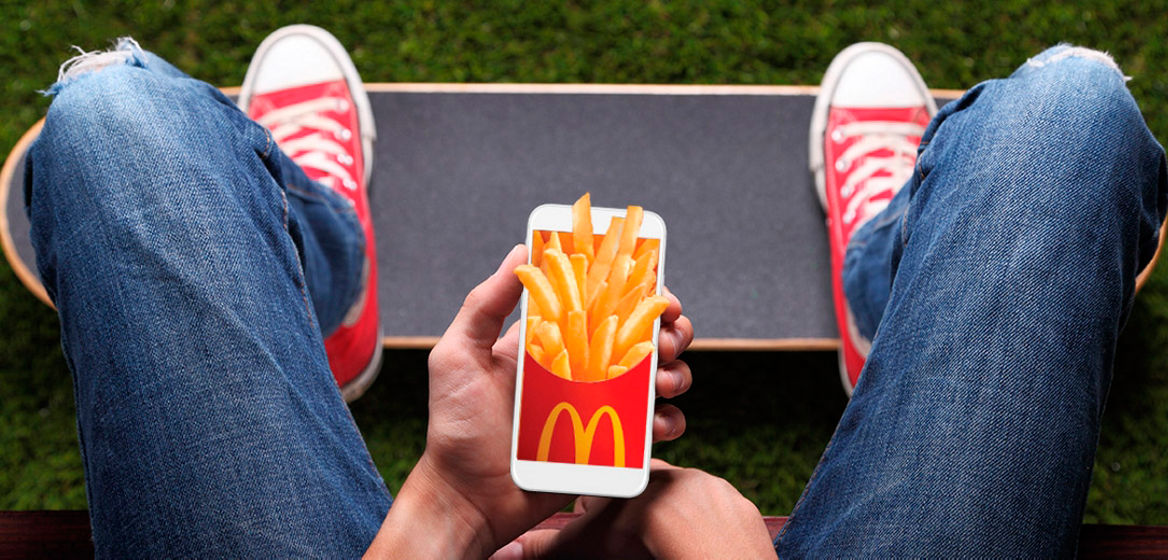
(26, 276)
(609, 89)
(1142, 277)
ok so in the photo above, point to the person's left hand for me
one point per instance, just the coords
(682, 514)
(463, 480)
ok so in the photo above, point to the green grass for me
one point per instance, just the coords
(768, 454)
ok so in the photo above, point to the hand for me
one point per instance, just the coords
(460, 494)
(683, 513)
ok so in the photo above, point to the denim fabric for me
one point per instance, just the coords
(995, 285)
(190, 260)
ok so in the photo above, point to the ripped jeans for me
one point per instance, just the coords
(994, 287)
(187, 259)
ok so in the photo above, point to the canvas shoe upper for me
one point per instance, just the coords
(303, 87)
(868, 120)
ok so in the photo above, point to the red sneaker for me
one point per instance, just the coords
(871, 111)
(303, 87)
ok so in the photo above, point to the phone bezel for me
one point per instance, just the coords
(568, 478)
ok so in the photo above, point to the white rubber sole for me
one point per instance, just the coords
(827, 88)
(357, 387)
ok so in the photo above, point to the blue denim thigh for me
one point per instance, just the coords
(209, 421)
(1036, 201)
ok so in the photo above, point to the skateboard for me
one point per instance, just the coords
(458, 167)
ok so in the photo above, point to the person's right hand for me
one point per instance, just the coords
(459, 500)
(683, 513)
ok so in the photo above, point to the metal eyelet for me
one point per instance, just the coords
(841, 165)
(837, 136)
(345, 159)
(345, 134)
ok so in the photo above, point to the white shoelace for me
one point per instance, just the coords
(320, 149)
(875, 136)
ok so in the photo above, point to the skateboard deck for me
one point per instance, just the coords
(458, 167)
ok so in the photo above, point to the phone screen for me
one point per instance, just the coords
(589, 346)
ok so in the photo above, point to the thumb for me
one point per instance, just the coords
(481, 317)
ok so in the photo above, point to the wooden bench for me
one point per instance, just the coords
(65, 534)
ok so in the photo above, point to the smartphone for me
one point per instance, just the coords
(590, 316)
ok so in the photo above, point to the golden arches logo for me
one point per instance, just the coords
(582, 435)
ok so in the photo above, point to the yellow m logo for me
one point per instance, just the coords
(581, 435)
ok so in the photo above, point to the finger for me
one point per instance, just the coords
(673, 379)
(584, 504)
(604, 531)
(481, 318)
(674, 339)
(674, 310)
(508, 345)
(656, 464)
(532, 544)
(668, 423)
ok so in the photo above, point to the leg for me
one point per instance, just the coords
(1035, 203)
(208, 418)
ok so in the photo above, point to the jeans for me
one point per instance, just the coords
(194, 267)
(994, 287)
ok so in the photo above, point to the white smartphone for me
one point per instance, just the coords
(590, 316)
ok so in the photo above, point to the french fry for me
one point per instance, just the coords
(615, 371)
(650, 287)
(636, 354)
(605, 254)
(626, 264)
(561, 367)
(553, 242)
(607, 300)
(540, 358)
(640, 320)
(595, 297)
(529, 330)
(631, 230)
(533, 308)
(536, 247)
(540, 289)
(643, 269)
(566, 242)
(563, 279)
(576, 341)
(646, 245)
(631, 298)
(582, 227)
(580, 271)
(550, 338)
(600, 349)
(543, 265)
